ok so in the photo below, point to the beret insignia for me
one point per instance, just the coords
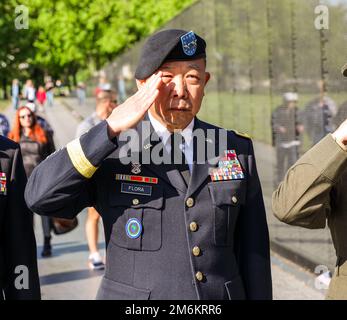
(189, 43)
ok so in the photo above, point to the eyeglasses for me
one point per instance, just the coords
(26, 116)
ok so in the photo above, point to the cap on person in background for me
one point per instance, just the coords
(290, 96)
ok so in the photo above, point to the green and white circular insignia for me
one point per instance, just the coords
(133, 228)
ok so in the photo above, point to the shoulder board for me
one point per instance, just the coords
(242, 134)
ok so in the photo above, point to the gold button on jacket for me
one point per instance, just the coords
(196, 251)
(193, 226)
(190, 202)
(199, 276)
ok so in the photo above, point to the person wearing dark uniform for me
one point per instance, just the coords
(193, 229)
(18, 265)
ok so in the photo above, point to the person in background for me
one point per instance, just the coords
(41, 121)
(15, 93)
(29, 91)
(62, 90)
(35, 147)
(102, 85)
(4, 125)
(286, 130)
(106, 101)
(50, 92)
(41, 98)
(121, 89)
(319, 114)
(81, 93)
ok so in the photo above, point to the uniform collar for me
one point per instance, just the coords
(164, 134)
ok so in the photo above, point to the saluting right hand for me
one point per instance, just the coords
(128, 114)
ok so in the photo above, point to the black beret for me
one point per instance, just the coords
(169, 45)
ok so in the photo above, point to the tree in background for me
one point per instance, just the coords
(66, 36)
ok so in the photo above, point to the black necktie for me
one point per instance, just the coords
(178, 158)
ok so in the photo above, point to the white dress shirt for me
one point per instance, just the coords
(164, 135)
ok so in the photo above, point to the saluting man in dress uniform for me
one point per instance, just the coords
(175, 230)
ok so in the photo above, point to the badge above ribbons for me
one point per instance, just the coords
(189, 43)
(135, 167)
(229, 168)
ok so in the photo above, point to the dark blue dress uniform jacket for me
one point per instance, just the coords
(232, 259)
(17, 240)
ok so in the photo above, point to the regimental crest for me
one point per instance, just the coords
(189, 43)
(135, 167)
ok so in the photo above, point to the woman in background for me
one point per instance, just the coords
(35, 147)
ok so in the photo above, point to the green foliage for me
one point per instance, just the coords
(15, 45)
(76, 37)
(66, 36)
